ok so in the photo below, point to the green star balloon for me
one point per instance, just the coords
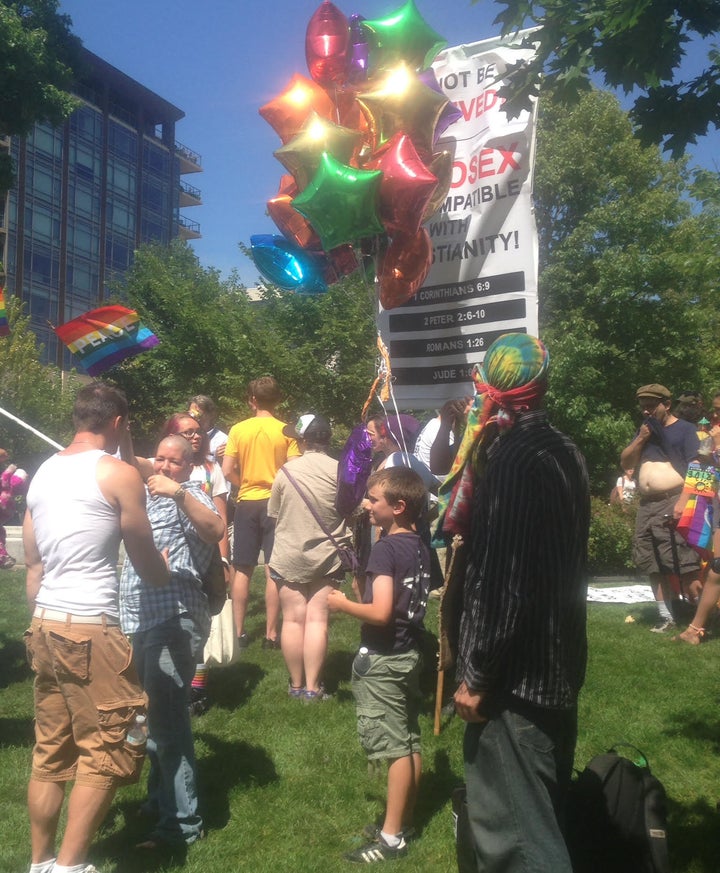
(341, 202)
(403, 36)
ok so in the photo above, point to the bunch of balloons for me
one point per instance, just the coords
(359, 143)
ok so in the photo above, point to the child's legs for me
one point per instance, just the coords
(402, 786)
(387, 698)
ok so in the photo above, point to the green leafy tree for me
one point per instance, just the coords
(214, 340)
(206, 336)
(628, 276)
(40, 395)
(38, 55)
(638, 46)
(327, 348)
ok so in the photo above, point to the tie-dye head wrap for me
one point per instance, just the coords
(512, 378)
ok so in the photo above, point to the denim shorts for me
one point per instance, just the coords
(387, 701)
(87, 695)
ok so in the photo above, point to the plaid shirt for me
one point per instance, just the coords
(144, 606)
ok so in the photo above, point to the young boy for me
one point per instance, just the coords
(385, 681)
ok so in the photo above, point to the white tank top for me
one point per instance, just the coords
(78, 536)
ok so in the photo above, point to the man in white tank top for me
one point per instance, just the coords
(81, 503)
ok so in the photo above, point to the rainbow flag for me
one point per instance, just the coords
(4, 326)
(696, 522)
(105, 336)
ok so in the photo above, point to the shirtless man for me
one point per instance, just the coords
(661, 451)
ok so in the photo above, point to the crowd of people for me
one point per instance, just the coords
(118, 659)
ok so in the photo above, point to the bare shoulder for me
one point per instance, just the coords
(117, 479)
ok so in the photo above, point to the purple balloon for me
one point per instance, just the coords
(358, 56)
(450, 113)
(354, 468)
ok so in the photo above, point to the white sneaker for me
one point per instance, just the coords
(663, 626)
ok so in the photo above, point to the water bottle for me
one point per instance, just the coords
(362, 661)
(136, 736)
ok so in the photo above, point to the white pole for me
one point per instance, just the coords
(30, 428)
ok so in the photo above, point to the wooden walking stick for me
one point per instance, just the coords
(448, 614)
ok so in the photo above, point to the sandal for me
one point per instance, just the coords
(692, 635)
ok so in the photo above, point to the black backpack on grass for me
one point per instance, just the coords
(617, 818)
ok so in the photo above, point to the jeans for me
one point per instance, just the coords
(165, 658)
(518, 766)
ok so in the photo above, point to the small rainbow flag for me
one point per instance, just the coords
(4, 326)
(105, 336)
(696, 521)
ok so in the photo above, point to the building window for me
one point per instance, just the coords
(122, 142)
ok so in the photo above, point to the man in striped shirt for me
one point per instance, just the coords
(523, 645)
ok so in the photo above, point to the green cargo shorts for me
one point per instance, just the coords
(387, 699)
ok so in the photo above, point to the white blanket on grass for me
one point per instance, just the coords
(621, 594)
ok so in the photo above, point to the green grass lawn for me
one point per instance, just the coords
(285, 788)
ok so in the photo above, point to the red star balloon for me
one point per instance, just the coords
(327, 42)
(287, 112)
(341, 202)
(406, 186)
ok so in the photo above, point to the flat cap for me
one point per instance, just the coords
(654, 390)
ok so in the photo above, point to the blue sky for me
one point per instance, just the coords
(219, 61)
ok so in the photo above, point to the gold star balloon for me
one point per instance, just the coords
(341, 202)
(400, 102)
(301, 156)
(404, 35)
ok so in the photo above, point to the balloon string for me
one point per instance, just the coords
(391, 396)
(384, 376)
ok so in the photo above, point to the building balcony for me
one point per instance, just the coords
(189, 160)
(188, 229)
(189, 195)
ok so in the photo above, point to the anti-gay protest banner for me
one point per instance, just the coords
(105, 336)
(483, 279)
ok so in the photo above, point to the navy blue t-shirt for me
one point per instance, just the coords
(406, 558)
(677, 443)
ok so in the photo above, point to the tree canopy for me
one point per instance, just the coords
(630, 259)
(214, 340)
(38, 394)
(640, 46)
(38, 54)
